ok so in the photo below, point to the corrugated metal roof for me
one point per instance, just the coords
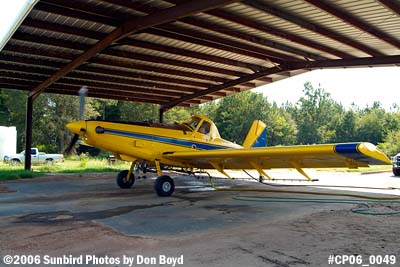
(215, 49)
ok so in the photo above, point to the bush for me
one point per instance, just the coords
(84, 160)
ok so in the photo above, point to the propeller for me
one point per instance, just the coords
(82, 95)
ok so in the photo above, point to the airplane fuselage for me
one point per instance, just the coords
(149, 141)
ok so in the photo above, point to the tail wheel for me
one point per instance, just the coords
(164, 186)
(122, 180)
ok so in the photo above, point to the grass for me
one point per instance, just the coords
(13, 173)
(72, 165)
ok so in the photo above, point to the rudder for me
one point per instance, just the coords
(257, 135)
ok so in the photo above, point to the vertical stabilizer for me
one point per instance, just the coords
(257, 135)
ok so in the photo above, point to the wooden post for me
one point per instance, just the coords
(161, 115)
(28, 132)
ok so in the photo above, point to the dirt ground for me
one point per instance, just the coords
(80, 215)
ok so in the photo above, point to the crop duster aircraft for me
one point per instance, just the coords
(197, 144)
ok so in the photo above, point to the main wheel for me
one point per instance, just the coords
(164, 186)
(122, 181)
(396, 171)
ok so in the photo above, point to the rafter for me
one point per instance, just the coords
(129, 27)
(102, 61)
(268, 8)
(182, 35)
(356, 62)
(186, 53)
(59, 10)
(273, 56)
(34, 66)
(350, 19)
(228, 84)
(278, 32)
(393, 5)
(105, 63)
(124, 54)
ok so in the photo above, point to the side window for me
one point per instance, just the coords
(205, 128)
(33, 151)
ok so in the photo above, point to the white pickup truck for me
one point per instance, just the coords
(36, 157)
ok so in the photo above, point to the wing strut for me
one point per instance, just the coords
(219, 168)
(297, 166)
(261, 172)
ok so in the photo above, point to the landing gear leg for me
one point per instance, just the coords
(164, 185)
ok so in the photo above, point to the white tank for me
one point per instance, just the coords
(8, 141)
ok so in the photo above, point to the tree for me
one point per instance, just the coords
(282, 129)
(347, 127)
(235, 114)
(316, 116)
(391, 144)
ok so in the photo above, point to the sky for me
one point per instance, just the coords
(361, 86)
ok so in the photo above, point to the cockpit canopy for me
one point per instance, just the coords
(203, 125)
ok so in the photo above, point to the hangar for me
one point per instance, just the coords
(184, 53)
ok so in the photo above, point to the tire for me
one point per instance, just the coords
(164, 186)
(49, 162)
(15, 162)
(396, 171)
(121, 179)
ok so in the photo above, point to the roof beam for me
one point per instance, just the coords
(71, 85)
(227, 84)
(268, 8)
(207, 40)
(186, 53)
(96, 81)
(260, 41)
(59, 10)
(176, 32)
(129, 27)
(348, 18)
(393, 5)
(66, 90)
(112, 62)
(55, 27)
(344, 63)
(273, 56)
(124, 54)
(42, 66)
(278, 32)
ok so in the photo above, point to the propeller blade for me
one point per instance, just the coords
(82, 95)
(71, 145)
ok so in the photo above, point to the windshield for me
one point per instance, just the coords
(193, 122)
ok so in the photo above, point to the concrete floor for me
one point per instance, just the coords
(69, 203)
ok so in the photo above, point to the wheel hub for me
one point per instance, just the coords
(166, 186)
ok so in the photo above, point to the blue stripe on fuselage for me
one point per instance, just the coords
(166, 140)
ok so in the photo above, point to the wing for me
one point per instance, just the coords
(351, 155)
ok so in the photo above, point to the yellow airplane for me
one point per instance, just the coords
(196, 144)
